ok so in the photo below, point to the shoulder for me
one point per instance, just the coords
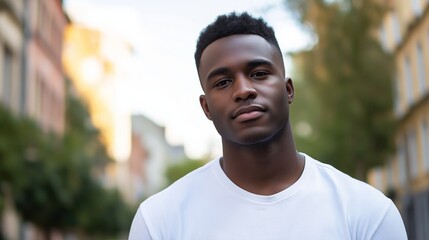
(364, 207)
(348, 187)
(160, 210)
(182, 187)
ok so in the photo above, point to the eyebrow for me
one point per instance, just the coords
(259, 62)
(251, 64)
(218, 71)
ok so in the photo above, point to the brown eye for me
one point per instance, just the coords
(259, 74)
(222, 83)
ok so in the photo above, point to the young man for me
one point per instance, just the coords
(261, 188)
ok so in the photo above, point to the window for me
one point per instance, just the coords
(408, 77)
(38, 103)
(383, 38)
(412, 153)
(40, 15)
(396, 94)
(389, 173)
(417, 8)
(425, 145)
(421, 68)
(378, 178)
(7, 77)
(403, 176)
(421, 217)
(42, 107)
(416, 215)
(396, 28)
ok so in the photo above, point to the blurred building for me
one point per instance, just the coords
(150, 156)
(32, 81)
(11, 54)
(11, 88)
(92, 59)
(44, 79)
(405, 177)
(137, 168)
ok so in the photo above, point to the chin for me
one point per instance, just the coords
(253, 138)
(258, 135)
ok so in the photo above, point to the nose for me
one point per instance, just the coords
(243, 89)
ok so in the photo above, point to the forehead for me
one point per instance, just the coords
(231, 51)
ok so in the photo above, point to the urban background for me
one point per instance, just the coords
(362, 105)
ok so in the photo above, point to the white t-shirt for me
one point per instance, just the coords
(323, 204)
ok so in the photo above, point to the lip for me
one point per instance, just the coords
(250, 112)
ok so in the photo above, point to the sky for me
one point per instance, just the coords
(161, 80)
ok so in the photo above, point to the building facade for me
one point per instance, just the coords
(32, 81)
(405, 177)
(92, 59)
(137, 168)
(11, 53)
(150, 156)
(44, 76)
(11, 90)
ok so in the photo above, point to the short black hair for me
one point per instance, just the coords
(232, 24)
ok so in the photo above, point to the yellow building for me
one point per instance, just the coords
(405, 177)
(91, 59)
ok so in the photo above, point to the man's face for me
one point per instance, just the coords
(246, 94)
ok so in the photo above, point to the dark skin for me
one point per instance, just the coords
(247, 97)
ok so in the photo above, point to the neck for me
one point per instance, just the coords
(264, 168)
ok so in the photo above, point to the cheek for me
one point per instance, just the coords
(277, 93)
(283, 94)
(218, 108)
(279, 101)
(216, 112)
(215, 107)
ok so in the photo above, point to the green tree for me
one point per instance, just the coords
(180, 169)
(96, 211)
(347, 76)
(54, 180)
(33, 183)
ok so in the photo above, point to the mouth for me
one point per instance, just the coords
(247, 113)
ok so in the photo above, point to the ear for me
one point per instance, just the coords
(290, 90)
(205, 107)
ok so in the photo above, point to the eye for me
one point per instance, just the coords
(259, 74)
(222, 83)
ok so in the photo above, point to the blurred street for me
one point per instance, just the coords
(99, 104)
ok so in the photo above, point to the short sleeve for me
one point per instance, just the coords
(391, 227)
(139, 230)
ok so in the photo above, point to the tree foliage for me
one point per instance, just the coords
(347, 78)
(54, 180)
(180, 169)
